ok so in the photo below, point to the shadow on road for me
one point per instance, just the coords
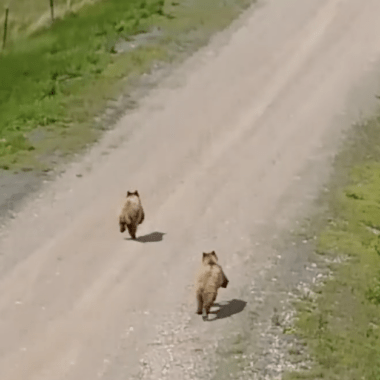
(227, 309)
(153, 237)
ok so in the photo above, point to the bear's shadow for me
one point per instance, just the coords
(153, 237)
(227, 309)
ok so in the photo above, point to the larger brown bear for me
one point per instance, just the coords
(132, 214)
(209, 279)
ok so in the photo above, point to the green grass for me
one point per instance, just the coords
(55, 80)
(342, 327)
(57, 77)
(27, 16)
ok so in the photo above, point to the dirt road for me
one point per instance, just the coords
(222, 149)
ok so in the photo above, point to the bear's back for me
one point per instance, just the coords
(132, 206)
(210, 276)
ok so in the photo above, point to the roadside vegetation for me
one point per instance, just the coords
(341, 326)
(26, 16)
(56, 78)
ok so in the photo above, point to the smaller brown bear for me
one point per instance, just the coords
(209, 279)
(132, 214)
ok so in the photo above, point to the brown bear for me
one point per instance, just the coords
(132, 214)
(209, 279)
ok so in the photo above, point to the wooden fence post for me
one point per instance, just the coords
(52, 10)
(5, 26)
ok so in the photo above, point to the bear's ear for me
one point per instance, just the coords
(204, 254)
(214, 254)
(128, 193)
(137, 193)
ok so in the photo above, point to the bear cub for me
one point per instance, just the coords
(209, 279)
(132, 214)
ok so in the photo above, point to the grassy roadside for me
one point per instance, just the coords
(57, 79)
(26, 16)
(341, 326)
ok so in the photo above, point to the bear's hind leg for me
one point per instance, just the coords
(132, 231)
(142, 216)
(122, 223)
(209, 299)
(200, 303)
(122, 227)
